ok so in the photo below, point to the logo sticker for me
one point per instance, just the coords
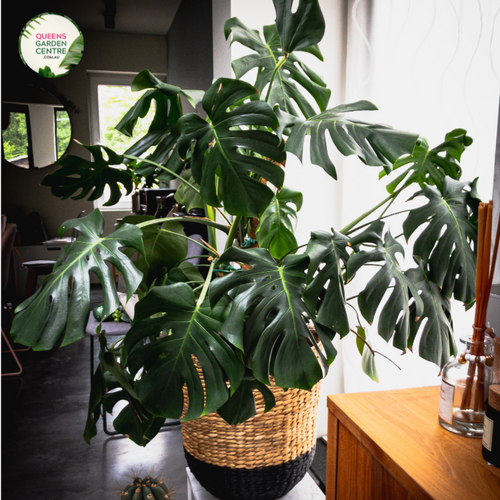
(51, 45)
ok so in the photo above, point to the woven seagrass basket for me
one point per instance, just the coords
(260, 459)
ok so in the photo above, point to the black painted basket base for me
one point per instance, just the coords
(262, 483)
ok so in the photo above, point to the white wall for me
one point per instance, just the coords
(496, 196)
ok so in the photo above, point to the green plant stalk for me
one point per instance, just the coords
(212, 236)
(382, 217)
(130, 157)
(276, 69)
(232, 232)
(204, 290)
(200, 220)
(351, 226)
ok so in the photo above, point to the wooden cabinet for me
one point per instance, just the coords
(388, 445)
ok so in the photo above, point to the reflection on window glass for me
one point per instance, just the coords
(15, 140)
(63, 131)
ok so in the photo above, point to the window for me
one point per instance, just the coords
(111, 97)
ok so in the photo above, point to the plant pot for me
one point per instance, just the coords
(260, 459)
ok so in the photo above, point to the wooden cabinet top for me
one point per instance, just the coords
(400, 428)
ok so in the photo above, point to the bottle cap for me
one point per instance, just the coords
(494, 396)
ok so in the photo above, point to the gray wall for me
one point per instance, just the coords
(189, 47)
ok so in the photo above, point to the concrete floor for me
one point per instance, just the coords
(43, 453)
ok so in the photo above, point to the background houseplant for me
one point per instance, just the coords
(245, 327)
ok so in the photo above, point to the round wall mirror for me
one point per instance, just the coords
(36, 128)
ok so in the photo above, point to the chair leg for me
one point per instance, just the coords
(16, 359)
(105, 425)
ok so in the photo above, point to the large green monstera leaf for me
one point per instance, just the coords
(374, 144)
(168, 107)
(395, 311)
(163, 132)
(55, 308)
(437, 342)
(430, 166)
(164, 248)
(178, 329)
(448, 235)
(302, 28)
(277, 223)
(220, 163)
(91, 177)
(267, 319)
(285, 76)
(328, 254)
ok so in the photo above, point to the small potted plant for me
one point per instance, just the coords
(266, 312)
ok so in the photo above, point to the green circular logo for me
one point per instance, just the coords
(51, 44)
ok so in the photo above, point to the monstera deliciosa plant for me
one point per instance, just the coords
(266, 309)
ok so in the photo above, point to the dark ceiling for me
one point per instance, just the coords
(152, 17)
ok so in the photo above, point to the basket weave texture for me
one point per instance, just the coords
(267, 439)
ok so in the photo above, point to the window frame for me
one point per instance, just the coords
(59, 109)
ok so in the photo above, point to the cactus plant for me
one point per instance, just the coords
(148, 488)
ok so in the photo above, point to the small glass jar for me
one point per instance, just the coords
(464, 388)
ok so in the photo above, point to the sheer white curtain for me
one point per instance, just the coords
(430, 66)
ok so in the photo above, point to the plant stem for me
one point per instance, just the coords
(292, 251)
(276, 69)
(373, 351)
(387, 207)
(200, 220)
(192, 186)
(212, 236)
(232, 232)
(350, 227)
(204, 290)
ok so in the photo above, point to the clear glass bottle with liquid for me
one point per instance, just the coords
(464, 388)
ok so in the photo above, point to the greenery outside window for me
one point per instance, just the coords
(111, 97)
(16, 143)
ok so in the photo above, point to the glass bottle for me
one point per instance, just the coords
(464, 388)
